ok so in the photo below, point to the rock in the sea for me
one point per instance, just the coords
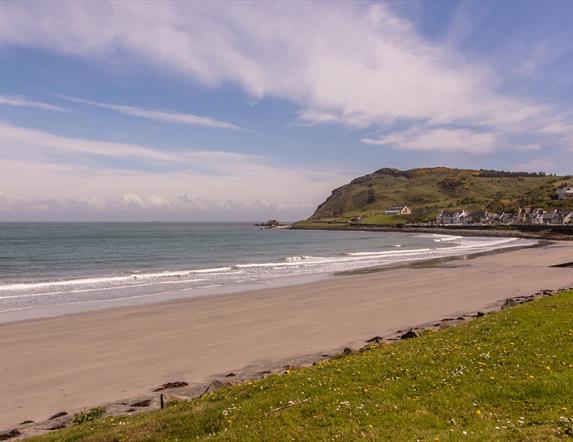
(230, 375)
(347, 351)
(171, 385)
(410, 334)
(57, 427)
(480, 314)
(26, 422)
(10, 434)
(57, 415)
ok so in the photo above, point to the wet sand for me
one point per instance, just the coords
(82, 360)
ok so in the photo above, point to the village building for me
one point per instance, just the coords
(398, 210)
(565, 192)
(525, 216)
(447, 217)
(482, 217)
(507, 218)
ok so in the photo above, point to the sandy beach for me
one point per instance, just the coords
(77, 361)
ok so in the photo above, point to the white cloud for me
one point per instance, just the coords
(158, 115)
(439, 139)
(224, 185)
(19, 101)
(36, 140)
(135, 206)
(357, 64)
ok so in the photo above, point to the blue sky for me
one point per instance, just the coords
(245, 111)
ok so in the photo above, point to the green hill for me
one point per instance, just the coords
(428, 190)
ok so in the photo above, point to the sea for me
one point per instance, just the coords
(54, 268)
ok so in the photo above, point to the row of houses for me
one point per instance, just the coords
(523, 216)
(565, 192)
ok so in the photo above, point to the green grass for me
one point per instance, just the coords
(506, 376)
(381, 219)
(88, 415)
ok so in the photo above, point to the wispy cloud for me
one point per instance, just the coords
(157, 115)
(354, 64)
(191, 184)
(140, 206)
(37, 140)
(439, 139)
(19, 101)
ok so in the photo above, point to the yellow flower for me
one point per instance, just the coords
(478, 412)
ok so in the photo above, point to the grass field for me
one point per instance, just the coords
(506, 376)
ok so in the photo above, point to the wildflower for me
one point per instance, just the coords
(478, 412)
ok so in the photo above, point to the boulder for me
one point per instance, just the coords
(215, 385)
(57, 415)
(10, 434)
(375, 340)
(410, 334)
(171, 385)
(509, 302)
(143, 403)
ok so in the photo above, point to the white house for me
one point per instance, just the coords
(398, 210)
(448, 217)
(482, 217)
(565, 192)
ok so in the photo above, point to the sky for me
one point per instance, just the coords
(236, 111)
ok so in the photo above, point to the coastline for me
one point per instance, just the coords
(201, 339)
(540, 234)
(154, 287)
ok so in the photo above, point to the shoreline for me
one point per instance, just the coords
(202, 339)
(541, 234)
(84, 306)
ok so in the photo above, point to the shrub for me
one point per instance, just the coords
(89, 415)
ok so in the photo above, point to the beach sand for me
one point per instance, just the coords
(77, 361)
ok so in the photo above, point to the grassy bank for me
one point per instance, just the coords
(506, 376)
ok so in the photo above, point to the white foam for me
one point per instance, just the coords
(108, 288)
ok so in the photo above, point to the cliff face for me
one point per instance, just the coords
(429, 190)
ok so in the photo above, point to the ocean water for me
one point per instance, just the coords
(63, 264)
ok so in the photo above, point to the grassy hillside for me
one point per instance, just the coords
(429, 190)
(505, 376)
